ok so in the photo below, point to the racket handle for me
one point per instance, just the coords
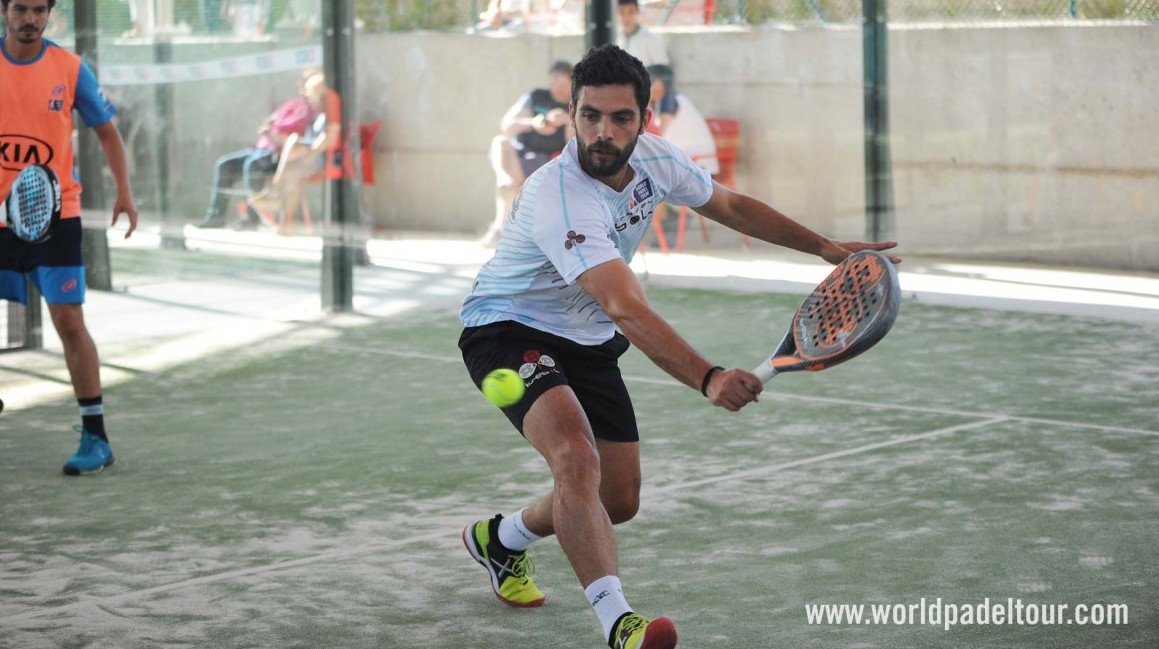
(765, 371)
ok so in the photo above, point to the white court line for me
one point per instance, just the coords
(764, 471)
(381, 546)
(846, 402)
(964, 413)
(337, 555)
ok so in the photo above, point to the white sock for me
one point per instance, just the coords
(607, 599)
(514, 535)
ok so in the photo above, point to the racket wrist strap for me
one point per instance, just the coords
(708, 377)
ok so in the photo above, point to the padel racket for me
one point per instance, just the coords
(32, 209)
(848, 312)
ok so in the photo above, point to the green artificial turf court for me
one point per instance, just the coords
(309, 491)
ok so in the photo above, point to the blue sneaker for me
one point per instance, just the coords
(92, 456)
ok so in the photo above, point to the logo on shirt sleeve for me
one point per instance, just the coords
(573, 240)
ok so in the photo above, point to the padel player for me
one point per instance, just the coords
(40, 86)
(559, 303)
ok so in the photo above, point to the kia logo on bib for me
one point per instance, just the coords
(19, 151)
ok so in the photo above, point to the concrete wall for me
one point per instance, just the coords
(1034, 144)
(1027, 143)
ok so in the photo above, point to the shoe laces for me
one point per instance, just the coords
(86, 440)
(517, 565)
(522, 567)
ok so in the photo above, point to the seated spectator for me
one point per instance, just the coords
(676, 118)
(534, 130)
(504, 14)
(246, 17)
(302, 156)
(252, 166)
(141, 15)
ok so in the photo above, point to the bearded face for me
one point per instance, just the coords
(27, 20)
(602, 159)
(608, 124)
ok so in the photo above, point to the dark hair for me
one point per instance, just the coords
(608, 65)
(560, 67)
(634, 3)
(51, 4)
(663, 73)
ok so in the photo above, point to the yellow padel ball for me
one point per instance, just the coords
(503, 387)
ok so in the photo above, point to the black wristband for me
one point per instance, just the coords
(708, 377)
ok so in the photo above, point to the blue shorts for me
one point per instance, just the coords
(56, 267)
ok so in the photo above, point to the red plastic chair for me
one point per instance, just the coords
(367, 133)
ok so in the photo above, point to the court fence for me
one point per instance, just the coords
(270, 17)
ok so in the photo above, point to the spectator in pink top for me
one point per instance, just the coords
(253, 166)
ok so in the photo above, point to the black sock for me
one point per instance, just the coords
(92, 416)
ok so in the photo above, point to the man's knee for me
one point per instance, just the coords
(622, 508)
(577, 467)
(68, 320)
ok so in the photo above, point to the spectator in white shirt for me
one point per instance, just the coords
(635, 37)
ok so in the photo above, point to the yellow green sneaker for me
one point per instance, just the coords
(510, 571)
(633, 631)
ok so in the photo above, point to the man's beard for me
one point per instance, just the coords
(28, 35)
(610, 167)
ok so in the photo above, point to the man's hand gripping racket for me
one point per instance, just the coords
(32, 208)
(849, 312)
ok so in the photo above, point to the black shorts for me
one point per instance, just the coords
(56, 266)
(545, 361)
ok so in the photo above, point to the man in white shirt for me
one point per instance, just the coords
(676, 118)
(559, 304)
(635, 37)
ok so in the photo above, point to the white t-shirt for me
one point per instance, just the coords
(645, 45)
(564, 222)
(689, 130)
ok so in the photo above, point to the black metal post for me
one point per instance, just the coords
(879, 224)
(600, 16)
(90, 160)
(343, 237)
(172, 227)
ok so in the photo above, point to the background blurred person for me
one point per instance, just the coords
(635, 37)
(533, 131)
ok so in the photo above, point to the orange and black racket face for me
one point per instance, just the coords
(849, 312)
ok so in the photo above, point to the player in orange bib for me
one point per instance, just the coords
(41, 84)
